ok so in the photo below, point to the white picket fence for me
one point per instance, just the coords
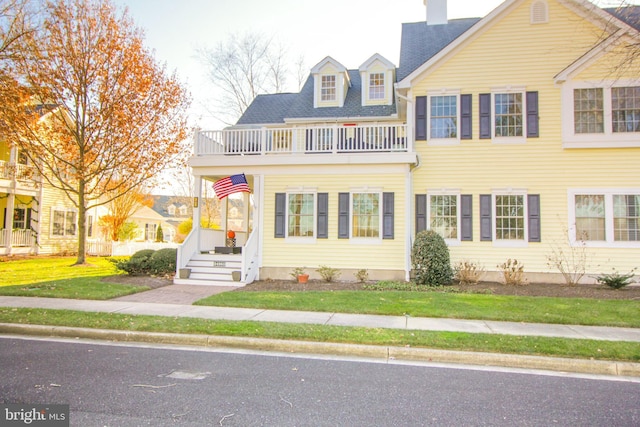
(98, 248)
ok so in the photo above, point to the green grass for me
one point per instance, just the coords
(540, 346)
(57, 277)
(623, 313)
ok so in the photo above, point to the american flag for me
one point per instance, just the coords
(231, 184)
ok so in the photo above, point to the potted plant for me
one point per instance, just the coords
(300, 275)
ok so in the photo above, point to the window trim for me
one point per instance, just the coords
(608, 194)
(301, 239)
(324, 88)
(55, 209)
(607, 139)
(509, 90)
(367, 240)
(456, 193)
(383, 86)
(443, 141)
(510, 243)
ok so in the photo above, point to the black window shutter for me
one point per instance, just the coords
(323, 215)
(533, 130)
(343, 215)
(281, 210)
(421, 118)
(533, 204)
(485, 116)
(421, 212)
(485, 217)
(388, 201)
(466, 217)
(465, 116)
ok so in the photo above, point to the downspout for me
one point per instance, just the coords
(408, 211)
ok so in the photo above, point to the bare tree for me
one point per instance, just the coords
(101, 117)
(242, 67)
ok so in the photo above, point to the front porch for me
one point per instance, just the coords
(209, 256)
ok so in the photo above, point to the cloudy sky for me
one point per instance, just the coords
(348, 30)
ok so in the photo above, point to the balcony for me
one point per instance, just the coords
(18, 171)
(337, 139)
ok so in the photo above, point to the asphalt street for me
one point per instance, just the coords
(109, 384)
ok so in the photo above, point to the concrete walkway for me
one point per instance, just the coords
(176, 301)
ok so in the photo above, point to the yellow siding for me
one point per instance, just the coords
(49, 244)
(334, 252)
(513, 52)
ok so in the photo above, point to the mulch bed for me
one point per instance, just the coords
(631, 292)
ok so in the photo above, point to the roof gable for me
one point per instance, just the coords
(430, 47)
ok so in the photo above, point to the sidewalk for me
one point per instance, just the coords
(158, 302)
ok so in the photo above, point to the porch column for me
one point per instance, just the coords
(11, 200)
(197, 203)
(8, 219)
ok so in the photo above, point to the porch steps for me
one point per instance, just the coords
(212, 270)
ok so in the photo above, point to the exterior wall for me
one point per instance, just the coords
(53, 199)
(515, 53)
(281, 255)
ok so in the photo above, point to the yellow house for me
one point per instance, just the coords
(514, 136)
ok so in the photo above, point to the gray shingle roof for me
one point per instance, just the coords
(420, 42)
(268, 109)
(274, 109)
(627, 14)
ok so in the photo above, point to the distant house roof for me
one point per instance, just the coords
(420, 42)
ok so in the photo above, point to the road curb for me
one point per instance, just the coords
(584, 366)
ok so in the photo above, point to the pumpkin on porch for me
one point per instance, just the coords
(231, 234)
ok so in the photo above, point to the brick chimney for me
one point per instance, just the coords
(436, 12)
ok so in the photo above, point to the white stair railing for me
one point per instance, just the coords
(250, 258)
(186, 250)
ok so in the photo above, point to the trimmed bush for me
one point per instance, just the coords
(163, 261)
(430, 260)
(138, 264)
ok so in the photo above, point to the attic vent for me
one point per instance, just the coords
(539, 12)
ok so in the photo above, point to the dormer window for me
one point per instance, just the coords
(377, 76)
(331, 82)
(328, 89)
(376, 86)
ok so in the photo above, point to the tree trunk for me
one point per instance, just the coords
(82, 225)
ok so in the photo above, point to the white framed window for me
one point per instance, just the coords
(376, 86)
(443, 211)
(625, 109)
(605, 217)
(150, 232)
(366, 217)
(508, 115)
(183, 210)
(601, 115)
(510, 218)
(444, 117)
(301, 215)
(64, 222)
(328, 88)
(171, 210)
(19, 218)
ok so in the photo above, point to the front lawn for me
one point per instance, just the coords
(57, 277)
(580, 311)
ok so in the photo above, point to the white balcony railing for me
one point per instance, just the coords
(18, 171)
(303, 140)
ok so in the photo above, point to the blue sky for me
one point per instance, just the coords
(348, 30)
